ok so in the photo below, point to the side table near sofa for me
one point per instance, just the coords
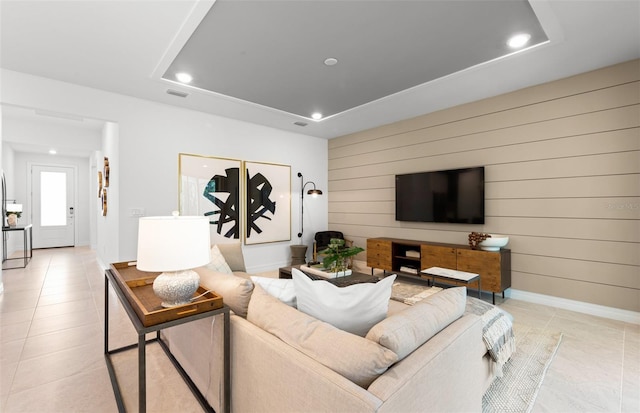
(145, 321)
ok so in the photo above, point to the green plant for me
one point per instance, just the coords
(336, 254)
(18, 214)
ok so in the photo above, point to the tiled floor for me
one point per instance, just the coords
(51, 342)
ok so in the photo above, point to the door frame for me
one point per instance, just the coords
(30, 165)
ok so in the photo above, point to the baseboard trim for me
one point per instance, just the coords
(577, 306)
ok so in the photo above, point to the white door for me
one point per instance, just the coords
(52, 195)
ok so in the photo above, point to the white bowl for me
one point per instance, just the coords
(494, 243)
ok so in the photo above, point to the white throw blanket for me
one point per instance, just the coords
(497, 331)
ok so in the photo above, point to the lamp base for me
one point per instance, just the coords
(176, 288)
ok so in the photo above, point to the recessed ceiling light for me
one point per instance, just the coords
(330, 61)
(52, 151)
(184, 77)
(316, 116)
(518, 40)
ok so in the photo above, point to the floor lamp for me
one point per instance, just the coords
(299, 252)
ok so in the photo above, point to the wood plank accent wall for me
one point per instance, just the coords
(562, 171)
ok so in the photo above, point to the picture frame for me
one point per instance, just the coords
(267, 202)
(211, 186)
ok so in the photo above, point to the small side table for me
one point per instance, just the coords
(27, 234)
(141, 346)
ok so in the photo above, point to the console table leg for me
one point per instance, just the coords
(494, 298)
(142, 374)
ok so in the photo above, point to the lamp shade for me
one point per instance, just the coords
(173, 243)
(14, 208)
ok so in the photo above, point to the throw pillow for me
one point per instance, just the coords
(232, 253)
(407, 330)
(356, 358)
(282, 289)
(355, 308)
(218, 263)
(235, 291)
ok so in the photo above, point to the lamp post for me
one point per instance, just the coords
(299, 252)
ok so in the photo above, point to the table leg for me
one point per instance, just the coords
(24, 255)
(106, 315)
(227, 363)
(142, 374)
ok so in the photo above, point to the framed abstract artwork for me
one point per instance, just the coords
(267, 202)
(210, 186)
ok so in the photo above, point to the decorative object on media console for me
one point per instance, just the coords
(494, 243)
(175, 245)
(476, 238)
(14, 211)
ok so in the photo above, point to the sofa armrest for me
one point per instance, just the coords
(417, 383)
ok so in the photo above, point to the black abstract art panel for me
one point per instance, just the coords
(210, 186)
(268, 202)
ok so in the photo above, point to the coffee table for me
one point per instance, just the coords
(354, 278)
(453, 275)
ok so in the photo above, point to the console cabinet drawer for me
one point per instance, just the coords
(437, 256)
(489, 265)
(379, 254)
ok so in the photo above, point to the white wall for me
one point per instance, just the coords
(46, 134)
(145, 162)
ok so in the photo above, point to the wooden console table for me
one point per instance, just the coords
(391, 254)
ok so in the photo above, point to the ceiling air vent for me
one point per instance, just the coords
(177, 93)
(300, 123)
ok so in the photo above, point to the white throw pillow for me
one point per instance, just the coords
(355, 308)
(280, 288)
(218, 263)
(356, 358)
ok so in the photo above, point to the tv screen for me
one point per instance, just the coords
(455, 196)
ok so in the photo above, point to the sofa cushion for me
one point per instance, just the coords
(408, 329)
(356, 358)
(235, 291)
(232, 253)
(355, 308)
(280, 288)
(217, 261)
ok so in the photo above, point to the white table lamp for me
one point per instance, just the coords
(174, 245)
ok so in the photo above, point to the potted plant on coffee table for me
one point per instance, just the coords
(336, 255)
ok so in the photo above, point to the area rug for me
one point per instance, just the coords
(410, 293)
(517, 389)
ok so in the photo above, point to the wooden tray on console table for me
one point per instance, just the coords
(137, 286)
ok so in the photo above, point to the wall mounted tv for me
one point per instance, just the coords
(455, 196)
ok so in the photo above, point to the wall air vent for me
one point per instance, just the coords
(177, 93)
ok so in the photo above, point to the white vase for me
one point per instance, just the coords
(12, 220)
(176, 288)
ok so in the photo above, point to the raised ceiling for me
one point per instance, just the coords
(273, 53)
(396, 59)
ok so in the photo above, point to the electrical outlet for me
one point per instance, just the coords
(136, 212)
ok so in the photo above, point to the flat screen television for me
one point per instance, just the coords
(455, 196)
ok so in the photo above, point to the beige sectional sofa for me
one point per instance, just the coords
(283, 360)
